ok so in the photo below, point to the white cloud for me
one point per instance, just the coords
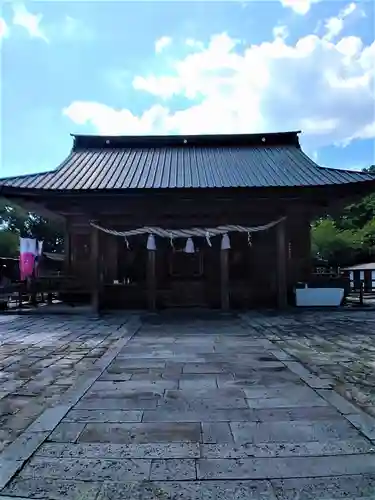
(324, 88)
(110, 121)
(301, 7)
(281, 32)
(162, 43)
(335, 25)
(31, 22)
(4, 30)
(194, 44)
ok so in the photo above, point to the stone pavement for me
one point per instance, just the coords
(224, 408)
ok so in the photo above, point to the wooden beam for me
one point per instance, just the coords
(151, 279)
(224, 282)
(94, 265)
(281, 265)
(67, 247)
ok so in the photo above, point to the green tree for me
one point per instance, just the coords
(350, 237)
(9, 244)
(16, 220)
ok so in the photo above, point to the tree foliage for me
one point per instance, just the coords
(16, 221)
(349, 238)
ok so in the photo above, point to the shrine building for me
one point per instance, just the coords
(215, 221)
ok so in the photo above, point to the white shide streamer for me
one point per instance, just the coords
(204, 232)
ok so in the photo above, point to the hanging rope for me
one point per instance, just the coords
(188, 233)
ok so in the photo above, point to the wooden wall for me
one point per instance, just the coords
(253, 276)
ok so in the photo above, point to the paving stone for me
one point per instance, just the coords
(13, 498)
(202, 368)
(49, 419)
(277, 359)
(3, 443)
(292, 432)
(103, 450)
(285, 467)
(341, 404)
(127, 364)
(121, 377)
(24, 446)
(141, 433)
(364, 423)
(332, 488)
(173, 470)
(204, 383)
(8, 469)
(202, 414)
(133, 385)
(288, 390)
(51, 489)
(188, 490)
(128, 403)
(216, 432)
(109, 416)
(202, 404)
(289, 401)
(67, 432)
(277, 449)
(148, 392)
(311, 413)
(87, 469)
(307, 376)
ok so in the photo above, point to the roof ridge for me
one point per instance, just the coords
(188, 140)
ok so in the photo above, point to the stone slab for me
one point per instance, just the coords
(49, 419)
(8, 469)
(51, 489)
(203, 368)
(291, 432)
(67, 432)
(364, 423)
(204, 383)
(341, 404)
(119, 377)
(133, 385)
(24, 446)
(276, 449)
(188, 490)
(107, 450)
(216, 432)
(105, 416)
(173, 470)
(287, 401)
(307, 376)
(285, 467)
(87, 469)
(128, 364)
(141, 433)
(291, 390)
(129, 403)
(323, 488)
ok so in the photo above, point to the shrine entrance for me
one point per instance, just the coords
(186, 279)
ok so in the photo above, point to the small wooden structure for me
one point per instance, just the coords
(361, 273)
(116, 192)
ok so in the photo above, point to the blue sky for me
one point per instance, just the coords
(186, 67)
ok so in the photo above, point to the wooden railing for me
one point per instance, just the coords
(44, 289)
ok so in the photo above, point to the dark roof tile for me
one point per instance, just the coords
(258, 160)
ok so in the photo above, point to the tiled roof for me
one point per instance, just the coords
(243, 161)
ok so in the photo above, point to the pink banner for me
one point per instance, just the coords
(28, 252)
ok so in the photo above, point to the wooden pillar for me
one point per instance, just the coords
(224, 282)
(281, 265)
(94, 266)
(151, 279)
(67, 248)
